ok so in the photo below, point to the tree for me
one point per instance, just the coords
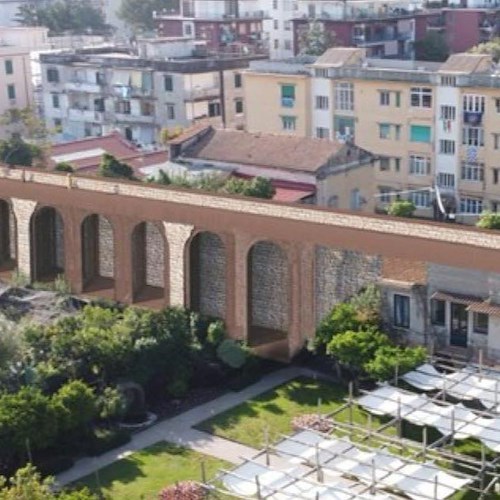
(111, 167)
(138, 14)
(25, 123)
(432, 47)
(401, 208)
(316, 40)
(11, 348)
(15, 151)
(76, 16)
(259, 187)
(489, 220)
(492, 47)
(389, 357)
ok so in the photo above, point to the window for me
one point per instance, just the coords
(496, 141)
(355, 201)
(446, 147)
(322, 133)
(275, 4)
(344, 128)
(238, 106)
(288, 45)
(495, 175)
(237, 80)
(275, 24)
(397, 164)
(471, 206)
(421, 97)
(52, 75)
(438, 312)
(288, 26)
(480, 323)
(497, 105)
(100, 78)
(57, 124)
(420, 133)
(344, 96)
(472, 171)
(385, 194)
(288, 122)
(122, 107)
(287, 96)
(188, 29)
(11, 91)
(168, 83)
(385, 98)
(385, 163)
(446, 180)
(9, 67)
(401, 311)
(214, 109)
(448, 113)
(473, 103)
(421, 199)
(170, 111)
(397, 132)
(398, 99)
(419, 165)
(321, 72)
(55, 100)
(473, 136)
(276, 43)
(321, 102)
(384, 131)
(448, 81)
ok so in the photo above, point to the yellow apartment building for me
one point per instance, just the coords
(435, 127)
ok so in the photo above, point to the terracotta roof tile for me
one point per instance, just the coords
(467, 63)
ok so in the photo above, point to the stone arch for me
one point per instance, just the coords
(98, 253)
(47, 244)
(148, 261)
(8, 236)
(268, 292)
(207, 274)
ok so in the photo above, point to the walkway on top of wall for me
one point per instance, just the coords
(180, 430)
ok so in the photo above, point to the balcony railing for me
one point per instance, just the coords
(85, 115)
(133, 118)
(84, 86)
(199, 94)
(287, 102)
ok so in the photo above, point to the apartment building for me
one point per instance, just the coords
(435, 127)
(92, 92)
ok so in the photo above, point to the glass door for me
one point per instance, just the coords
(458, 325)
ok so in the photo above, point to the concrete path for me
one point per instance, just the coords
(179, 430)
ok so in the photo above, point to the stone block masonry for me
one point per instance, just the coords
(106, 248)
(155, 256)
(23, 210)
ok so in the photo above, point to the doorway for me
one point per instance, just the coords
(458, 325)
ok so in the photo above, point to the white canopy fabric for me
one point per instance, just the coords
(420, 410)
(465, 384)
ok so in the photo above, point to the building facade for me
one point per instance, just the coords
(435, 126)
(93, 92)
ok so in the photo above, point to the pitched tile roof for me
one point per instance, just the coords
(340, 56)
(467, 64)
(264, 150)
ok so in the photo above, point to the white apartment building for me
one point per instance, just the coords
(93, 92)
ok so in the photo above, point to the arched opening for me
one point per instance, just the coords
(148, 258)
(207, 275)
(98, 253)
(47, 244)
(268, 293)
(7, 237)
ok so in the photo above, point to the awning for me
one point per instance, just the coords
(289, 195)
(485, 308)
(457, 298)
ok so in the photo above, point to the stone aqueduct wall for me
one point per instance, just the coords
(155, 256)
(106, 248)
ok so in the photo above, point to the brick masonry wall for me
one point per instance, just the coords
(155, 256)
(338, 275)
(212, 277)
(106, 248)
(270, 286)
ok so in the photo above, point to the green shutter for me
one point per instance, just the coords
(288, 91)
(420, 133)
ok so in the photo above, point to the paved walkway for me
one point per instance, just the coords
(179, 430)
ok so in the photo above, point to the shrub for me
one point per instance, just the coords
(401, 208)
(312, 421)
(18, 279)
(104, 440)
(64, 166)
(216, 333)
(232, 353)
(178, 388)
(53, 465)
(61, 286)
(489, 220)
(111, 167)
(186, 490)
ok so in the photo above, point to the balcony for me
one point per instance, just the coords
(82, 86)
(287, 102)
(85, 115)
(200, 94)
(129, 118)
(365, 40)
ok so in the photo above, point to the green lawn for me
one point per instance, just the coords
(275, 409)
(143, 474)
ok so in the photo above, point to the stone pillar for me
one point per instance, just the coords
(123, 265)
(231, 287)
(177, 235)
(241, 246)
(301, 262)
(72, 219)
(23, 210)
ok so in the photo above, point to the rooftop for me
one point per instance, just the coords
(467, 64)
(264, 150)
